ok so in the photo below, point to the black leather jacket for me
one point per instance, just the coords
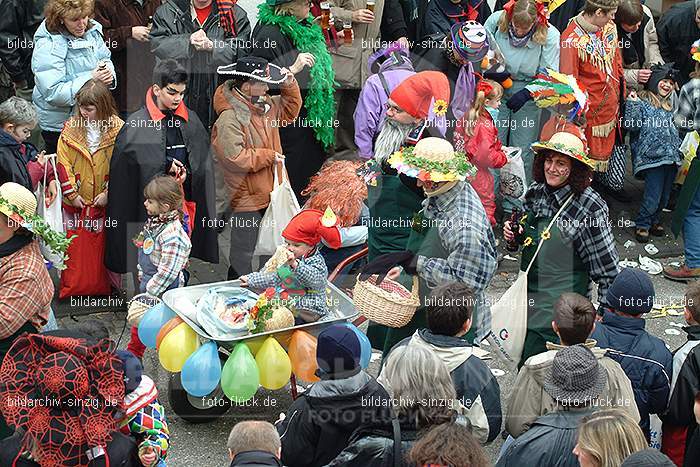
(18, 23)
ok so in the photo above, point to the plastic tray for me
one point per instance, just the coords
(183, 302)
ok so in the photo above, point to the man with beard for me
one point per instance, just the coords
(415, 110)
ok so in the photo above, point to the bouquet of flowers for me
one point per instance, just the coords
(270, 312)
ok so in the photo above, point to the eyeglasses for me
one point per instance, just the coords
(393, 108)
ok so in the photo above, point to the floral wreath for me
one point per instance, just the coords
(695, 51)
(58, 242)
(409, 164)
(566, 150)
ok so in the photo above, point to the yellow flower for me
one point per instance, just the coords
(262, 301)
(528, 241)
(440, 107)
(546, 235)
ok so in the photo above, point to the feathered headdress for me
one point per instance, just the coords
(551, 88)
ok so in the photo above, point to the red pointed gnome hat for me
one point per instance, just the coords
(308, 227)
(418, 93)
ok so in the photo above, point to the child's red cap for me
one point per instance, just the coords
(306, 227)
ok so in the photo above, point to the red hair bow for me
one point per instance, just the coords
(539, 5)
(484, 86)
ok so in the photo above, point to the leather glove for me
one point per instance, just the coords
(383, 263)
(518, 100)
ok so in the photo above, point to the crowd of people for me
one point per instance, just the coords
(433, 133)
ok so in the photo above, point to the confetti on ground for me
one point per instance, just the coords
(629, 244)
(651, 249)
(672, 332)
(497, 372)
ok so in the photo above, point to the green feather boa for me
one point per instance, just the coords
(320, 98)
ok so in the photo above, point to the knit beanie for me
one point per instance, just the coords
(338, 353)
(631, 292)
(648, 457)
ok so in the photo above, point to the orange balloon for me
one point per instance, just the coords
(167, 327)
(302, 353)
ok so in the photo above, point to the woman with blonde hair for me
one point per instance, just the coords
(608, 437)
(422, 396)
(69, 50)
(527, 42)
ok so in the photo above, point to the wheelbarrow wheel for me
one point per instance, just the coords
(196, 409)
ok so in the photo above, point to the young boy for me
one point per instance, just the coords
(574, 320)
(679, 423)
(645, 358)
(19, 160)
(449, 317)
(163, 137)
(304, 274)
(144, 417)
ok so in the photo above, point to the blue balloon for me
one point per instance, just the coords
(365, 346)
(202, 371)
(152, 321)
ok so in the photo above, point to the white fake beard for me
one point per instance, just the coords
(391, 138)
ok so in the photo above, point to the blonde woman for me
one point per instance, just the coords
(69, 49)
(528, 42)
(606, 438)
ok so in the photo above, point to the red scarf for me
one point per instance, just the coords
(227, 19)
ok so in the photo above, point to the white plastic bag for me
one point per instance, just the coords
(53, 214)
(509, 322)
(513, 183)
(283, 206)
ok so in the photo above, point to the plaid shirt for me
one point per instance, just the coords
(26, 290)
(170, 254)
(687, 112)
(583, 223)
(311, 272)
(465, 232)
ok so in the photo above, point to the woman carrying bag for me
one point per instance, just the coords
(570, 220)
(84, 151)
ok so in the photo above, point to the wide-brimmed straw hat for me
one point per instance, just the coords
(575, 377)
(567, 144)
(256, 68)
(434, 160)
(16, 202)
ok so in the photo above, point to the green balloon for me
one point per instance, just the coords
(240, 378)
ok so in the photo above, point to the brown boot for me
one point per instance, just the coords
(657, 230)
(642, 235)
(681, 273)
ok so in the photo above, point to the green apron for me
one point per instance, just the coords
(390, 202)
(556, 270)
(426, 242)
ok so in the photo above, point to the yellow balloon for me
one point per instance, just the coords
(255, 344)
(177, 346)
(273, 364)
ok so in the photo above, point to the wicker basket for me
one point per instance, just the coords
(138, 306)
(389, 304)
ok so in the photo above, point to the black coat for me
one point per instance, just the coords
(677, 31)
(436, 23)
(255, 459)
(13, 164)
(561, 16)
(18, 23)
(373, 446)
(318, 425)
(139, 155)
(304, 153)
(393, 23)
(170, 38)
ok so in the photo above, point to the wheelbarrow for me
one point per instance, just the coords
(183, 302)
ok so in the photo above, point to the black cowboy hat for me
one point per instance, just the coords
(256, 68)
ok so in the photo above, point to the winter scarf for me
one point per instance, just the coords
(227, 18)
(320, 100)
(155, 224)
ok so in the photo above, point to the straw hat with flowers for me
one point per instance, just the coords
(567, 144)
(433, 160)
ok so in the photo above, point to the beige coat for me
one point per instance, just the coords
(350, 61)
(651, 51)
(529, 400)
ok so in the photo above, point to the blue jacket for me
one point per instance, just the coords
(62, 64)
(654, 138)
(644, 358)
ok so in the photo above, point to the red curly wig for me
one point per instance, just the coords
(338, 186)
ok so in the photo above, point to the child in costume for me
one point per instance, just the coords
(477, 136)
(144, 416)
(655, 146)
(303, 277)
(164, 246)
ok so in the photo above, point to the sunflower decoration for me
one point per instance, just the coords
(440, 107)
(546, 235)
(528, 241)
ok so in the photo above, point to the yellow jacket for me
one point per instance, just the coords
(88, 174)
